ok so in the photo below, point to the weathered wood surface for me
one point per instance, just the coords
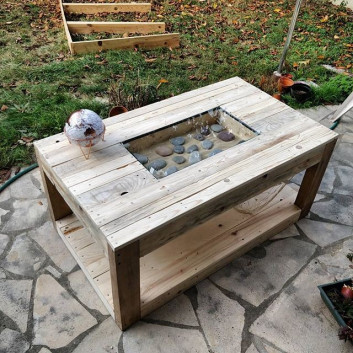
(95, 8)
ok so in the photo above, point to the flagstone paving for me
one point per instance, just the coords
(264, 302)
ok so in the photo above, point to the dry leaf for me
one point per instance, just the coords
(27, 139)
(150, 60)
(4, 107)
(324, 19)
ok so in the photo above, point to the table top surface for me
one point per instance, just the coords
(125, 202)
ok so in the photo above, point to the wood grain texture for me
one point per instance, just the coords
(87, 27)
(170, 40)
(95, 8)
(66, 28)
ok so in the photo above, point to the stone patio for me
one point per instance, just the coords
(264, 302)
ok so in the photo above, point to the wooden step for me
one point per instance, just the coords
(94, 8)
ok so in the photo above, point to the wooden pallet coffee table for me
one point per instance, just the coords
(142, 241)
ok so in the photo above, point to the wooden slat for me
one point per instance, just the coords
(198, 253)
(91, 259)
(66, 28)
(94, 8)
(83, 27)
(147, 42)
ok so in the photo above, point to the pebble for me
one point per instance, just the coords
(207, 144)
(199, 137)
(217, 128)
(192, 148)
(171, 170)
(215, 151)
(177, 141)
(179, 159)
(226, 136)
(179, 149)
(141, 158)
(157, 164)
(194, 157)
(164, 151)
(205, 130)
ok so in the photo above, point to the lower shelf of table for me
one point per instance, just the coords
(179, 264)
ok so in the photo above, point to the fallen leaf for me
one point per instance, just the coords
(27, 139)
(4, 107)
(324, 19)
(150, 60)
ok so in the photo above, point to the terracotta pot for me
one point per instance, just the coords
(285, 83)
(117, 110)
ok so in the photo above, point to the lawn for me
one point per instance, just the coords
(41, 83)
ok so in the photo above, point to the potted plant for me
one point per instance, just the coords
(338, 297)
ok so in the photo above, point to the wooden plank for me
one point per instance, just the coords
(312, 180)
(245, 175)
(178, 265)
(58, 141)
(66, 28)
(94, 8)
(87, 27)
(93, 267)
(152, 41)
(125, 279)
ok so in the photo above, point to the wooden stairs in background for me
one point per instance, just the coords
(147, 41)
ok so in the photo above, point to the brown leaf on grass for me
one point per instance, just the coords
(151, 60)
(27, 139)
(5, 174)
(324, 19)
(4, 107)
(161, 81)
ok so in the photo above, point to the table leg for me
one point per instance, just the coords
(312, 180)
(57, 206)
(125, 278)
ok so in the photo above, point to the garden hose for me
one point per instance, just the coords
(35, 165)
(18, 175)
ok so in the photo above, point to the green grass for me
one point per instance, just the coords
(41, 83)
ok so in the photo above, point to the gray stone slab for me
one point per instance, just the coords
(322, 233)
(24, 257)
(344, 153)
(3, 212)
(339, 209)
(178, 311)
(2, 274)
(298, 320)
(13, 342)
(85, 292)
(24, 188)
(289, 232)
(263, 348)
(256, 279)
(14, 300)
(4, 240)
(347, 137)
(47, 237)
(222, 319)
(27, 214)
(149, 338)
(57, 317)
(105, 338)
(44, 350)
(345, 180)
(5, 195)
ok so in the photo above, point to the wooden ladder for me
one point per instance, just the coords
(147, 41)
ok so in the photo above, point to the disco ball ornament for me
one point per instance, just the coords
(84, 128)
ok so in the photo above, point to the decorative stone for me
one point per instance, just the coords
(47, 237)
(85, 292)
(226, 136)
(322, 233)
(4, 240)
(194, 157)
(179, 149)
(178, 311)
(215, 151)
(222, 319)
(27, 214)
(177, 141)
(14, 301)
(171, 170)
(157, 164)
(179, 159)
(148, 338)
(57, 317)
(24, 257)
(141, 158)
(205, 130)
(217, 128)
(256, 279)
(164, 151)
(192, 148)
(105, 338)
(207, 144)
(199, 137)
(13, 342)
